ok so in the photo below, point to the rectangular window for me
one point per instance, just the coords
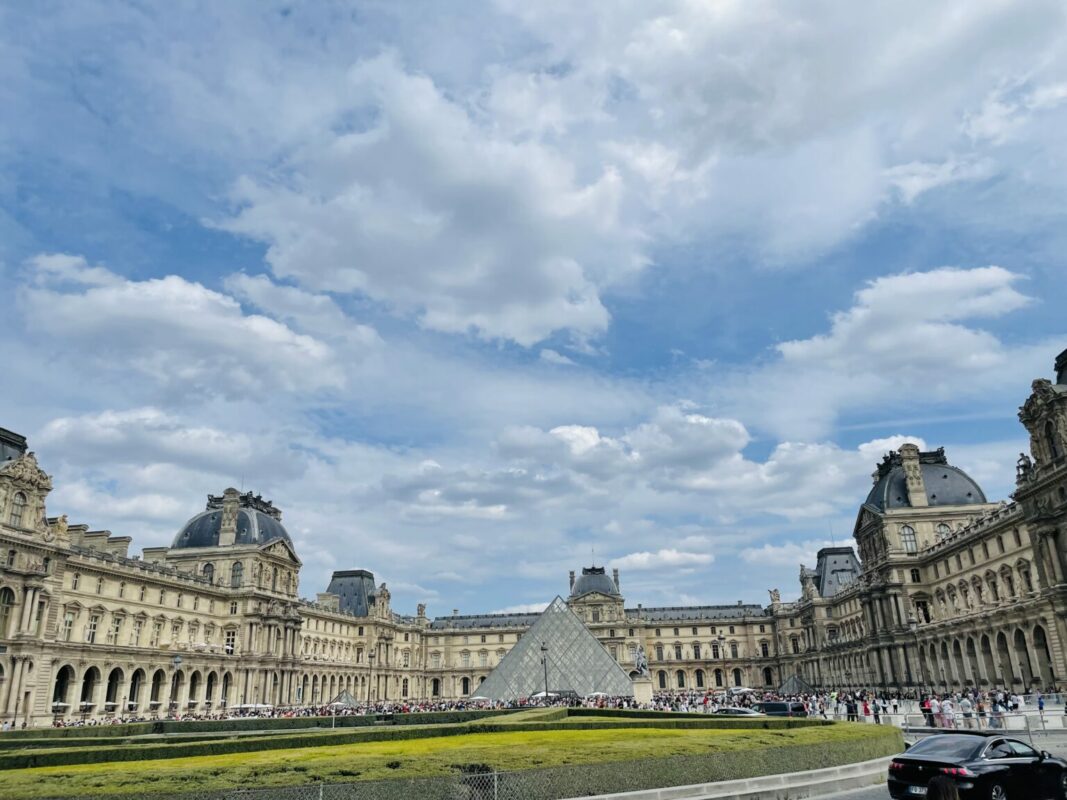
(233, 607)
(631, 633)
(435, 660)
(615, 652)
(696, 649)
(231, 643)
(500, 637)
(714, 651)
(916, 576)
(90, 629)
(611, 633)
(483, 660)
(694, 631)
(162, 596)
(142, 593)
(75, 579)
(135, 633)
(196, 603)
(731, 629)
(959, 560)
(175, 631)
(407, 659)
(465, 659)
(762, 628)
(122, 589)
(937, 572)
(678, 652)
(733, 649)
(675, 631)
(157, 631)
(765, 649)
(68, 625)
(360, 630)
(795, 644)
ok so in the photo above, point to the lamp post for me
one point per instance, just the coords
(177, 662)
(848, 680)
(370, 674)
(913, 626)
(544, 663)
(722, 650)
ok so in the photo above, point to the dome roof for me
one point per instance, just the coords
(594, 579)
(945, 484)
(258, 522)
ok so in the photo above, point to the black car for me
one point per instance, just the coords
(986, 767)
(782, 709)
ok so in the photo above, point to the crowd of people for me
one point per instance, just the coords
(970, 708)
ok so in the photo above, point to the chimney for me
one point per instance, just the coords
(909, 459)
(615, 577)
(228, 530)
(572, 578)
(455, 612)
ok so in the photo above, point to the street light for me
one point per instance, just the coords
(544, 663)
(370, 674)
(913, 626)
(722, 650)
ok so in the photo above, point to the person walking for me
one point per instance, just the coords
(942, 788)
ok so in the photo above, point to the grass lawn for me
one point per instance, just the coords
(410, 758)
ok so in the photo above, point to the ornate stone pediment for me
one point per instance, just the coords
(25, 472)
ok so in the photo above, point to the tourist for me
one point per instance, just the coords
(942, 788)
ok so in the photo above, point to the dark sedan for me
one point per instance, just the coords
(986, 767)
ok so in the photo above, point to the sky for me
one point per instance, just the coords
(479, 293)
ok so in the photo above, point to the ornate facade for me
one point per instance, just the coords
(948, 589)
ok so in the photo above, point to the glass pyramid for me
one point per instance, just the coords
(577, 662)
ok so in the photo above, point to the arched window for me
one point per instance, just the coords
(7, 602)
(907, 538)
(18, 509)
(718, 677)
(404, 688)
(237, 572)
(274, 580)
(662, 677)
(679, 677)
(768, 676)
(465, 686)
(737, 677)
(1051, 439)
(208, 572)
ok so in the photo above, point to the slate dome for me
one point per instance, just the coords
(258, 522)
(946, 485)
(594, 579)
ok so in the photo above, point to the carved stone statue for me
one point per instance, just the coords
(1023, 467)
(776, 596)
(641, 662)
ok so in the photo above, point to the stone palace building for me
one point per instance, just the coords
(948, 589)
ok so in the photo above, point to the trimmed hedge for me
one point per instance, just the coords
(249, 723)
(180, 748)
(554, 783)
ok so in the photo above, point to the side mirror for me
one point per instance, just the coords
(907, 745)
(1045, 754)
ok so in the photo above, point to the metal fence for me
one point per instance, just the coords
(525, 785)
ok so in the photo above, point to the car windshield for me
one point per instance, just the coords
(954, 747)
(771, 706)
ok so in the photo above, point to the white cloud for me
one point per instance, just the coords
(787, 554)
(522, 608)
(469, 231)
(179, 333)
(907, 341)
(662, 559)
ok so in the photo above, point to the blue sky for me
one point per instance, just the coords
(475, 293)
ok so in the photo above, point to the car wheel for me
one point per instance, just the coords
(997, 792)
(1063, 785)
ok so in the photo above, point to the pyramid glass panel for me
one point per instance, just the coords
(577, 661)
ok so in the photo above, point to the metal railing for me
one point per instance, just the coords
(489, 785)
